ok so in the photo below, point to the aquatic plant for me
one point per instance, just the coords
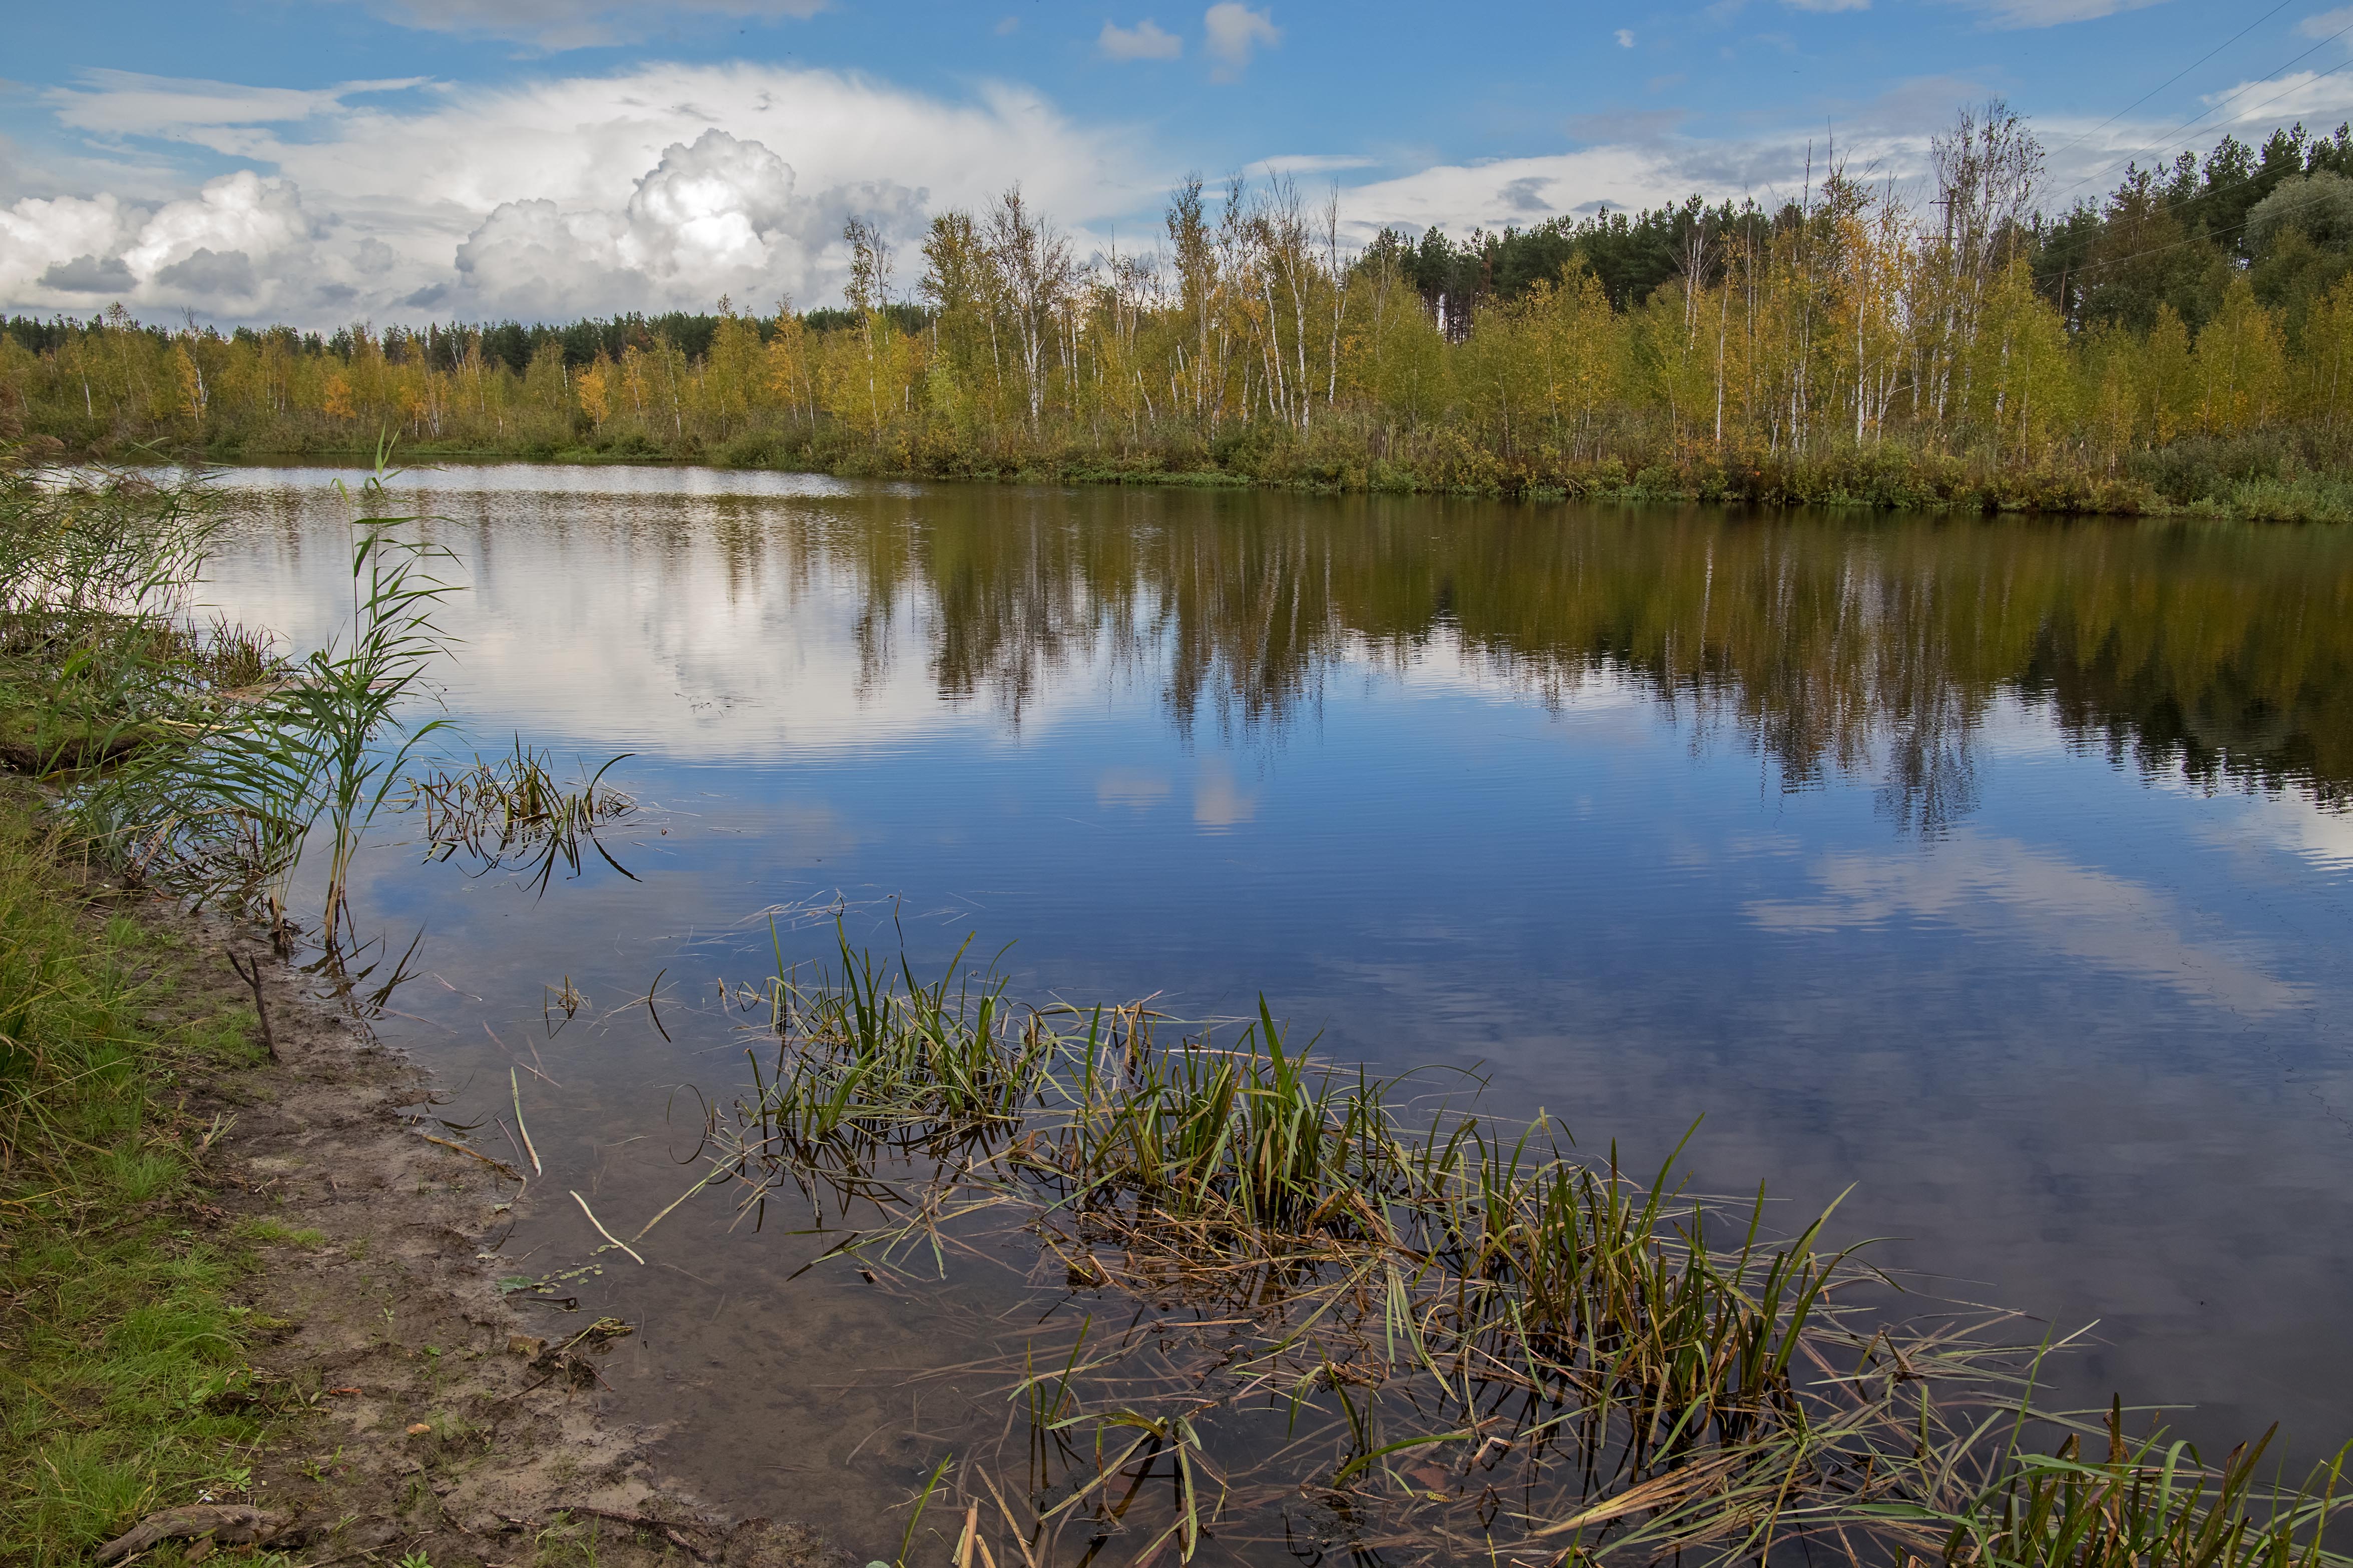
(511, 808)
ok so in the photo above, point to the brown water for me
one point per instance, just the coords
(1996, 868)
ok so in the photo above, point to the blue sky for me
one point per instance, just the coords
(398, 159)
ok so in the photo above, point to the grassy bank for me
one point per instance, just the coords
(120, 1349)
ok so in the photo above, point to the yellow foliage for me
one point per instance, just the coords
(595, 389)
(2241, 363)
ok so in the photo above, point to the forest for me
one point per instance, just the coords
(2179, 342)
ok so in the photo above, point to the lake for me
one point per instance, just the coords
(2000, 870)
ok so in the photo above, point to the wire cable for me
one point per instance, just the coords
(2177, 76)
(2169, 136)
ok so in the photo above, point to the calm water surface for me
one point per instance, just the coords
(2000, 871)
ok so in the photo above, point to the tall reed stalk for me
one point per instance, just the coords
(228, 809)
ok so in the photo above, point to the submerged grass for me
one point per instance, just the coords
(1366, 1319)
(117, 1341)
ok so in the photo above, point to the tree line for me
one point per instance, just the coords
(2183, 339)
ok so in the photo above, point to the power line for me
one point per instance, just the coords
(2161, 250)
(2177, 76)
(2169, 136)
(2211, 233)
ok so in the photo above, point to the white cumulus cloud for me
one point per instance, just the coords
(240, 243)
(1144, 41)
(240, 212)
(1236, 33)
(43, 235)
(716, 216)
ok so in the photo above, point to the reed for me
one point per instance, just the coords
(200, 759)
(96, 569)
(225, 810)
(1413, 1329)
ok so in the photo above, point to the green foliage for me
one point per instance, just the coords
(95, 570)
(2318, 206)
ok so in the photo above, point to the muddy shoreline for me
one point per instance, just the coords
(427, 1410)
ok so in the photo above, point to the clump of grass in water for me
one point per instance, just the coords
(512, 809)
(1433, 1343)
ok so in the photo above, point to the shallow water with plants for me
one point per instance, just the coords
(1995, 875)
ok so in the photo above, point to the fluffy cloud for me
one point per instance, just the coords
(654, 188)
(241, 214)
(717, 216)
(1144, 41)
(707, 208)
(59, 235)
(1236, 32)
(228, 247)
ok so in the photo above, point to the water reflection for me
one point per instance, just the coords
(1865, 648)
(2112, 923)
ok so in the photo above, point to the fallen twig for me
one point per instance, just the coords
(249, 971)
(206, 1524)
